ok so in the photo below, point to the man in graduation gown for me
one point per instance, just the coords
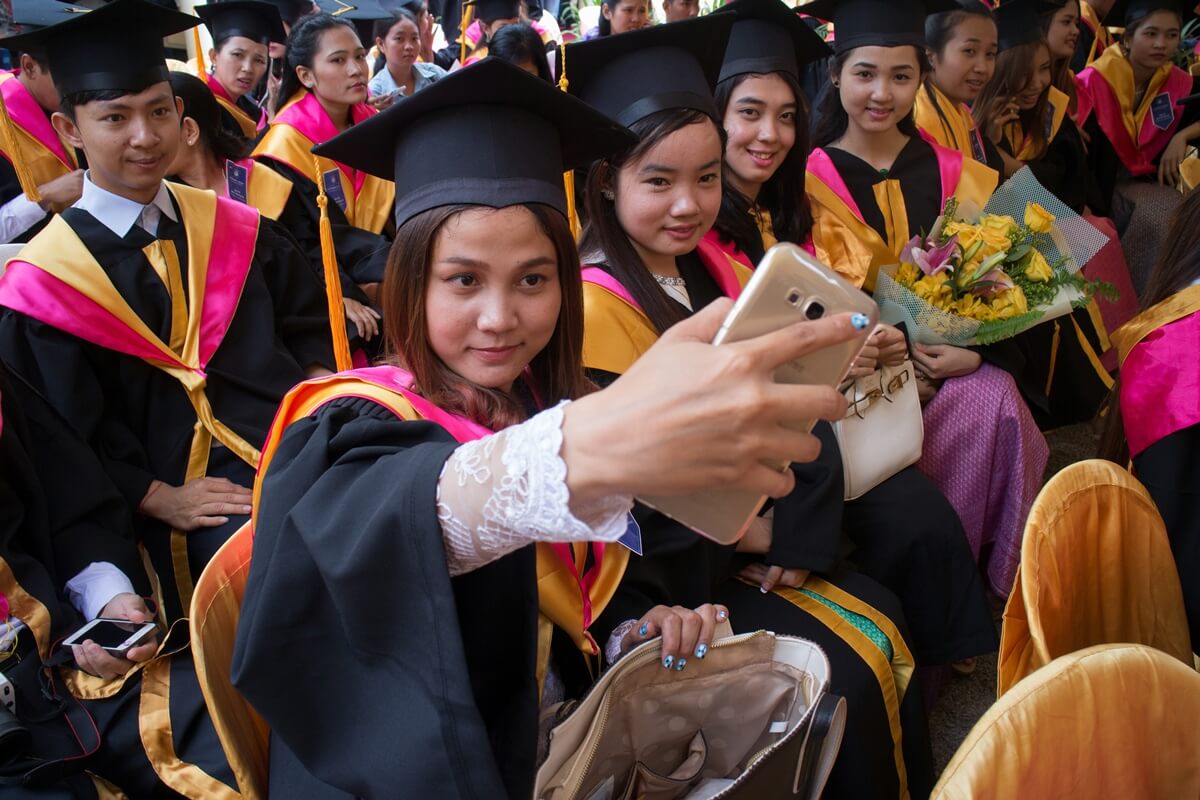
(162, 322)
(42, 176)
(67, 555)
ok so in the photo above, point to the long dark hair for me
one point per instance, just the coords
(603, 232)
(783, 195)
(302, 45)
(201, 106)
(1061, 76)
(832, 119)
(557, 370)
(939, 32)
(520, 42)
(1014, 71)
(1177, 268)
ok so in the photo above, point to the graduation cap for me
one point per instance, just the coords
(117, 47)
(879, 23)
(768, 36)
(1020, 21)
(631, 76)
(252, 19)
(492, 10)
(490, 134)
(32, 15)
(356, 10)
(1129, 11)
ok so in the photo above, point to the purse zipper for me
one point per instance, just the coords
(602, 713)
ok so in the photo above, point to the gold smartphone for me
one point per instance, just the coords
(788, 286)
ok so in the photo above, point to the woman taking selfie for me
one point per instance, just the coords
(485, 336)
(242, 32)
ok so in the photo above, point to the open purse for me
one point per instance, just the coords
(753, 719)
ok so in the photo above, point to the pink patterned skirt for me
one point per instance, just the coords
(986, 454)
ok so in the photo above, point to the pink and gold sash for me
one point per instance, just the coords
(302, 124)
(841, 236)
(56, 280)
(1022, 144)
(1139, 134)
(1160, 380)
(570, 594)
(42, 151)
(945, 123)
(251, 127)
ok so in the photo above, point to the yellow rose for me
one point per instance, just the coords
(1000, 223)
(994, 241)
(1038, 269)
(1010, 303)
(968, 235)
(1038, 219)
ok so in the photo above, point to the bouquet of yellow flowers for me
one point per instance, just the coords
(979, 280)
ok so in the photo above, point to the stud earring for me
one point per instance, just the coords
(608, 194)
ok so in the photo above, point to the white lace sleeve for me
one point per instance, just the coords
(499, 493)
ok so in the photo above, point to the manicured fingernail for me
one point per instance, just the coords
(762, 587)
(668, 661)
(701, 650)
(680, 665)
(721, 615)
(246, 509)
(860, 321)
(642, 630)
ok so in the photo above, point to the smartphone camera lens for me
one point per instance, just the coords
(814, 310)
(794, 297)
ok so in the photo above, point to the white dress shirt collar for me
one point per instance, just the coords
(119, 214)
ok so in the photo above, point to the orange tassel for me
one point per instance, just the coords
(333, 281)
(198, 44)
(569, 175)
(468, 15)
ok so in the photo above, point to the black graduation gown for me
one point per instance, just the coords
(59, 512)
(384, 677)
(679, 567)
(138, 418)
(1076, 392)
(1170, 471)
(1106, 167)
(361, 255)
(231, 126)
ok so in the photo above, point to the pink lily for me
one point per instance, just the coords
(931, 260)
(993, 283)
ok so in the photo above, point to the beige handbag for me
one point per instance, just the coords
(882, 432)
(753, 719)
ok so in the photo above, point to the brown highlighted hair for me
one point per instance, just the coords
(557, 371)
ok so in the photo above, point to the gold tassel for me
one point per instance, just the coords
(569, 175)
(9, 138)
(468, 15)
(199, 47)
(333, 280)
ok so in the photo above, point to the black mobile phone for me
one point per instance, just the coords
(277, 68)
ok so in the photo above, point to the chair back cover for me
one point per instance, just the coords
(216, 604)
(1110, 721)
(1096, 568)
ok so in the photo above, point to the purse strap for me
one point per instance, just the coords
(821, 746)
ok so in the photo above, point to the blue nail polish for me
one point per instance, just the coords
(860, 321)
(642, 630)
(679, 665)
(668, 661)
(701, 650)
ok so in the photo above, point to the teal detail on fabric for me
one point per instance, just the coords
(865, 625)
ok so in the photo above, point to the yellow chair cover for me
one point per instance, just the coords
(1110, 721)
(1096, 568)
(216, 603)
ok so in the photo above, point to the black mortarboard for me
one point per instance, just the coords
(490, 134)
(633, 75)
(32, 15)
(252, 19)
(769, 36)
(492, 10)
(356, 10)
(1128, 11)
(879, 23)
(117, 47)
(1019, 22)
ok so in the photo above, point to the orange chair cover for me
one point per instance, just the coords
(1110, 721)
(1096, 568)
(216, 604)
